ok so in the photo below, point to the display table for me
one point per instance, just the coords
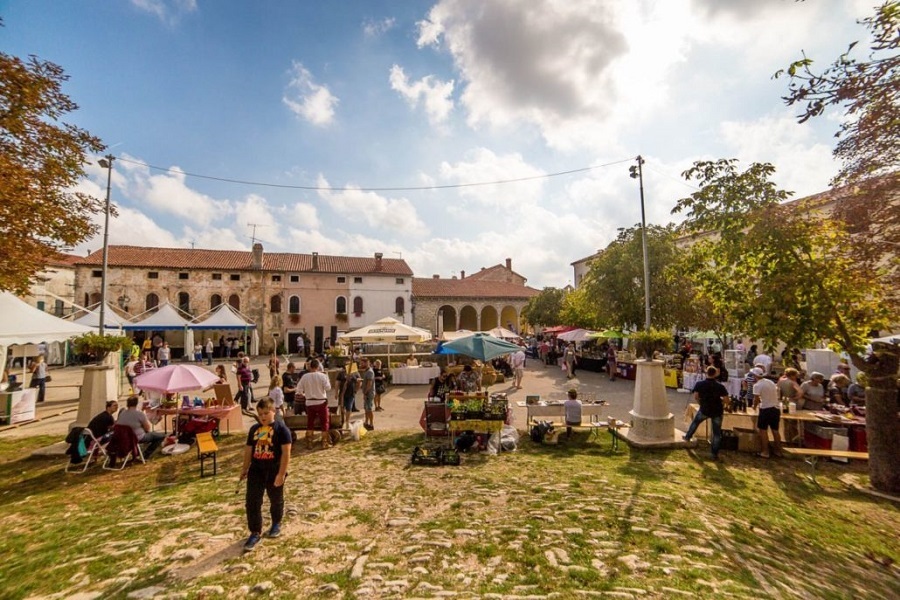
(220, 413)
(557, 413)
(414, 375)
(733, 385)
(19, 406)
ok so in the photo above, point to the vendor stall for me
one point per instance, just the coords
(421, 375)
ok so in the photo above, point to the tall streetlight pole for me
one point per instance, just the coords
(637, 172)
(107, 163)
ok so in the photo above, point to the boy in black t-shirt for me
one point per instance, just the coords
(266, 458)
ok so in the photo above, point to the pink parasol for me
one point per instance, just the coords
(175, 378)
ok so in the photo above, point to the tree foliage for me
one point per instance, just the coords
(544, 309)
(613, 289)
(41, 159)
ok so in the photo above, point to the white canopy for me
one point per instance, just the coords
(166, 317)
(449, 336)
(111, 319)
(503, 333)
(21, 323)
(387, 329)
(224, 317)
(576, 335)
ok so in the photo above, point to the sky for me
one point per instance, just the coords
(361, 126)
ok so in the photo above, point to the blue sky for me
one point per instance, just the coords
(345, 96)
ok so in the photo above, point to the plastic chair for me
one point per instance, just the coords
(95, 449)
(122, 445)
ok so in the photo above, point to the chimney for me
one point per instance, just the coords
(315, 258)
(256, 256)
(435, 276)
(378, 261)
(462, 274)
(509, 264)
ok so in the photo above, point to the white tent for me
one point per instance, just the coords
(111, 319)
(227, 317)
(167, 317)
(503, 333)
(576, 335)
(23, 324)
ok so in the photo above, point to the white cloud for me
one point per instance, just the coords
(168, 192)
(396, 215)
(802, 165)
(307, 241)
(308, 99)
(373, 28)
(434, 93)
(482, 165)
(167, 11)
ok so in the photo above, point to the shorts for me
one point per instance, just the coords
(369, 403)
(317, 413)
(348, 402)
(769, 418)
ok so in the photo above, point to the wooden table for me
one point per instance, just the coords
(557, 412)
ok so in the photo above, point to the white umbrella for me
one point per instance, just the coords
(453, 335)
(503, 333)
(576, 335)
(388, 330)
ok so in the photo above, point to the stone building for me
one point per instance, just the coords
(53, 289)
(284, 294)
(492, 297)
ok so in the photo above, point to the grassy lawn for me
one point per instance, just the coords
(573, 520)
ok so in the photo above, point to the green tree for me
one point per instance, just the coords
(782, 273)
(868, 91)
(579, 309)
(614, 284)
(543, 310)
(41, 160)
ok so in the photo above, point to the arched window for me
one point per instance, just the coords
(340, 305)
(358, 306)
(235, 301)
(152, 301)
(214, 301)
(275, 304)
(294, 305)
(184, 301)
(95, 299)
(399, 305)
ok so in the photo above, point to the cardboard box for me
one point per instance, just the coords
(748, 440)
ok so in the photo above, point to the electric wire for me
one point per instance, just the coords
(377, 189)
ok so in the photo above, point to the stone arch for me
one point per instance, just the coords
(152, 301)
(509, 318)
(489, 318)
(235, 301)
(446, 319)
(468, 318)
(215, 301)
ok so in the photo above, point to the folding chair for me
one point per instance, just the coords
(95, 449)
(122, 445)
(436, 420)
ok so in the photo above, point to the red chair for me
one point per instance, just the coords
(122, 445)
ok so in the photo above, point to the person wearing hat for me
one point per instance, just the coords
(765, 393)
(813, 392)
(711, 395)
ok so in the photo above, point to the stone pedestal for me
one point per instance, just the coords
(652, 425)
(98, 386)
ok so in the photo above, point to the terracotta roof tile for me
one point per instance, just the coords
(469, 288)
(240, 260)
(480, 274)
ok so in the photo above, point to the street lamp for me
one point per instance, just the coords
(106, 163)
(637, 172)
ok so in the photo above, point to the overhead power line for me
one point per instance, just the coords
(377, 189)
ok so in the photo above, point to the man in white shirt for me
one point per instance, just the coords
(314, 386)
(765, 361)
(209, 351)
(765, 393)
(572, 408)
(518, 366)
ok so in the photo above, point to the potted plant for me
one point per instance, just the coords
(99, 346)
(647, 343)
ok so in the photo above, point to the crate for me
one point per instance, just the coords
(748, 440)
(858, 440)
(729, 440)
(426, 456)
(816, 436)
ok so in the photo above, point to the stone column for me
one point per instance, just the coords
(98, 386)
(652, 425)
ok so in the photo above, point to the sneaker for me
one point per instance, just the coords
(368, 426)
(251, 542)
(686, 438)
(274, 531)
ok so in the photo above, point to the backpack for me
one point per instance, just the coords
(540, 429)
(255, 373)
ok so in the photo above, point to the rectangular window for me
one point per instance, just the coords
(217, 276)
(276, 278)
(295, 278)
(183, 276)
(235, 277)
(342, 280)
(97, 273)
(399, 281)
(357, 280)
(153, 275)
